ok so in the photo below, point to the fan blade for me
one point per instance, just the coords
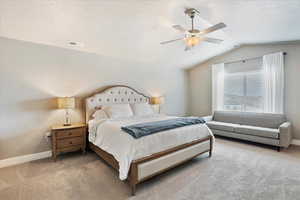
(197, 12)
(212, 40)
(169, 41)
(213, 28)
(179, 28)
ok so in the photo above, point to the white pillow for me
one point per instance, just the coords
(118, 110)
(142, 109)
(99, 114)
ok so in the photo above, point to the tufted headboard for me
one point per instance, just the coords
(117, 94)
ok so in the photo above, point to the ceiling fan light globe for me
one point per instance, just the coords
(192, 41)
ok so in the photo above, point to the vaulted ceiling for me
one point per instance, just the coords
(133, 29)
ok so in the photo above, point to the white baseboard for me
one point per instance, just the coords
(46, 154)
(23, 159)
(296, 142)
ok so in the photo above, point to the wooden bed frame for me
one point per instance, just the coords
(113, 95)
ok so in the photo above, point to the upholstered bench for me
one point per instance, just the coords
(271, 129)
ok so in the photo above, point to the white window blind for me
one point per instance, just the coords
(244, 85)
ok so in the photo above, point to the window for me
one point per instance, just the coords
(243, 86)
(255, 85)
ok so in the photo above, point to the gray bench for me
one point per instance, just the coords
(265, 128)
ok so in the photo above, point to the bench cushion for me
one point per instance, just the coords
(253, 138)
(266, 120)
(221, 126)
(228, 116)
(258, 131)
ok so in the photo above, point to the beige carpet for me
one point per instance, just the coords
(236, 171)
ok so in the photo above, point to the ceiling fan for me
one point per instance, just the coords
(194, 36)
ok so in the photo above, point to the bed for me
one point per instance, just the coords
(140, 159)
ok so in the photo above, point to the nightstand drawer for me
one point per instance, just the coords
(70, 149)
(62, 143)
(69, 133)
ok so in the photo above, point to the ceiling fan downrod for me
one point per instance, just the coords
(192, 17)
(191, 12)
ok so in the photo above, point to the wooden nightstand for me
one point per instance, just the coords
(68, 139)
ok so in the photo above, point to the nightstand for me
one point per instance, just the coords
(68, 139)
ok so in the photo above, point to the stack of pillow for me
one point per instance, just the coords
(123, 111)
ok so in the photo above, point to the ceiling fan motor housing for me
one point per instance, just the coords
(191, 12)
(194, 31)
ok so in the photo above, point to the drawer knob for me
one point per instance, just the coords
(70, 133)
(70, 142)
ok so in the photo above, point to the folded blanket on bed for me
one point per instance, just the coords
(144, 129)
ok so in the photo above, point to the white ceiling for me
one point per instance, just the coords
(132, 29)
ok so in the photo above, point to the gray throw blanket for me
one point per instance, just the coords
(148, 128)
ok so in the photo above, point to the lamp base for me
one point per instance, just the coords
(67, 124)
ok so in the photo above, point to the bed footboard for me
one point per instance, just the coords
(145, 168)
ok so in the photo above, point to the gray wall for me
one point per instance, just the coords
(199, 79)
(32, 75)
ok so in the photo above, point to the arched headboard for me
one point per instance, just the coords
(116, 94)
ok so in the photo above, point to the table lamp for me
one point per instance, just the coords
(66, 103)
(156, 101)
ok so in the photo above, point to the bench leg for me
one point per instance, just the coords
(278, 149)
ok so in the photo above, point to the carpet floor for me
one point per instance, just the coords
(237, 170)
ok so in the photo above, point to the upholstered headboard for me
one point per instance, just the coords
(117, 94)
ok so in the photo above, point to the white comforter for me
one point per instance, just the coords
(107, 135)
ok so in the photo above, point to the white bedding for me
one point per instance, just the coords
(107, 135)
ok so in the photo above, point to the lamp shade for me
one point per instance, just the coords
(156, 100)
(66, 102)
